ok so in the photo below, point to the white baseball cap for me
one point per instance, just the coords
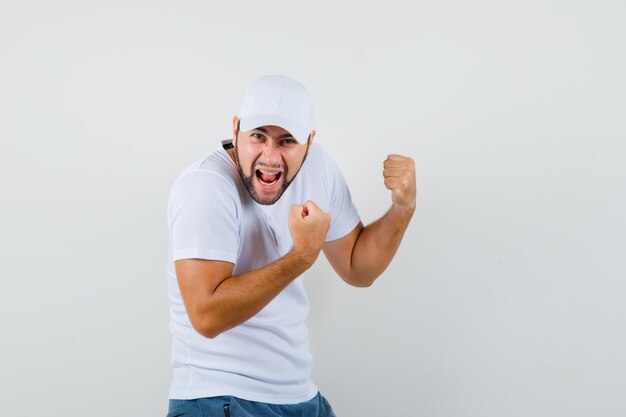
(279, 101)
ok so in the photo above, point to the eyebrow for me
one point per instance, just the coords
(286, 135)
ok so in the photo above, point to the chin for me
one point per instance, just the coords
(267, 200)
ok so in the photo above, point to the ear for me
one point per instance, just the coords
(235, 123)
(311, 140)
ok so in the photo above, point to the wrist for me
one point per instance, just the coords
(303, 258)
(403, 210)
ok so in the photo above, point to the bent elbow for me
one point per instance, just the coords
(363, 284)
(210, 334)
(206, 328)
(359, 282)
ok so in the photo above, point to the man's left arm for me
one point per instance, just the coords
(364, 253)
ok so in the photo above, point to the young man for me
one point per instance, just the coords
(245, 222)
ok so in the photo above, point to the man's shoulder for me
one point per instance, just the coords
(317, 156)
(321, 162)
(215, 169)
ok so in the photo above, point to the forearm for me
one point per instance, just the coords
(216, 300)
(239, 297)
(376, 245)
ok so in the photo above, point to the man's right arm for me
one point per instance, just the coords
(217, 301)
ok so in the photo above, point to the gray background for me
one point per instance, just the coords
(507, 296)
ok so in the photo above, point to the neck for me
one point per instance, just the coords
(232, 154)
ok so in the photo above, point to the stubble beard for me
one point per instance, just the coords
(248, 181)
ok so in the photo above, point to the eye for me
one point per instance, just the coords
(257, 136)
(288, 141)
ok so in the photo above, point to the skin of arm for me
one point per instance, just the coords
(216, 300)
(363, 254)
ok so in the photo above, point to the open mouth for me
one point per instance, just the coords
(268, 178)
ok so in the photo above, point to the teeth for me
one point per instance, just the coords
(264, 172)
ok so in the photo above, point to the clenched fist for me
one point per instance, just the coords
(308, 226)
(399, 174)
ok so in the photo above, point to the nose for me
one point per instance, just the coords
(271, 155)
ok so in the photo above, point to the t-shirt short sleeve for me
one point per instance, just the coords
(202, 217)
(343, 212)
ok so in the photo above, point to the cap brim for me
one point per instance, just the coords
(298, 131)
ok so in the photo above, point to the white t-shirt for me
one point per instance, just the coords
(212, 216)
